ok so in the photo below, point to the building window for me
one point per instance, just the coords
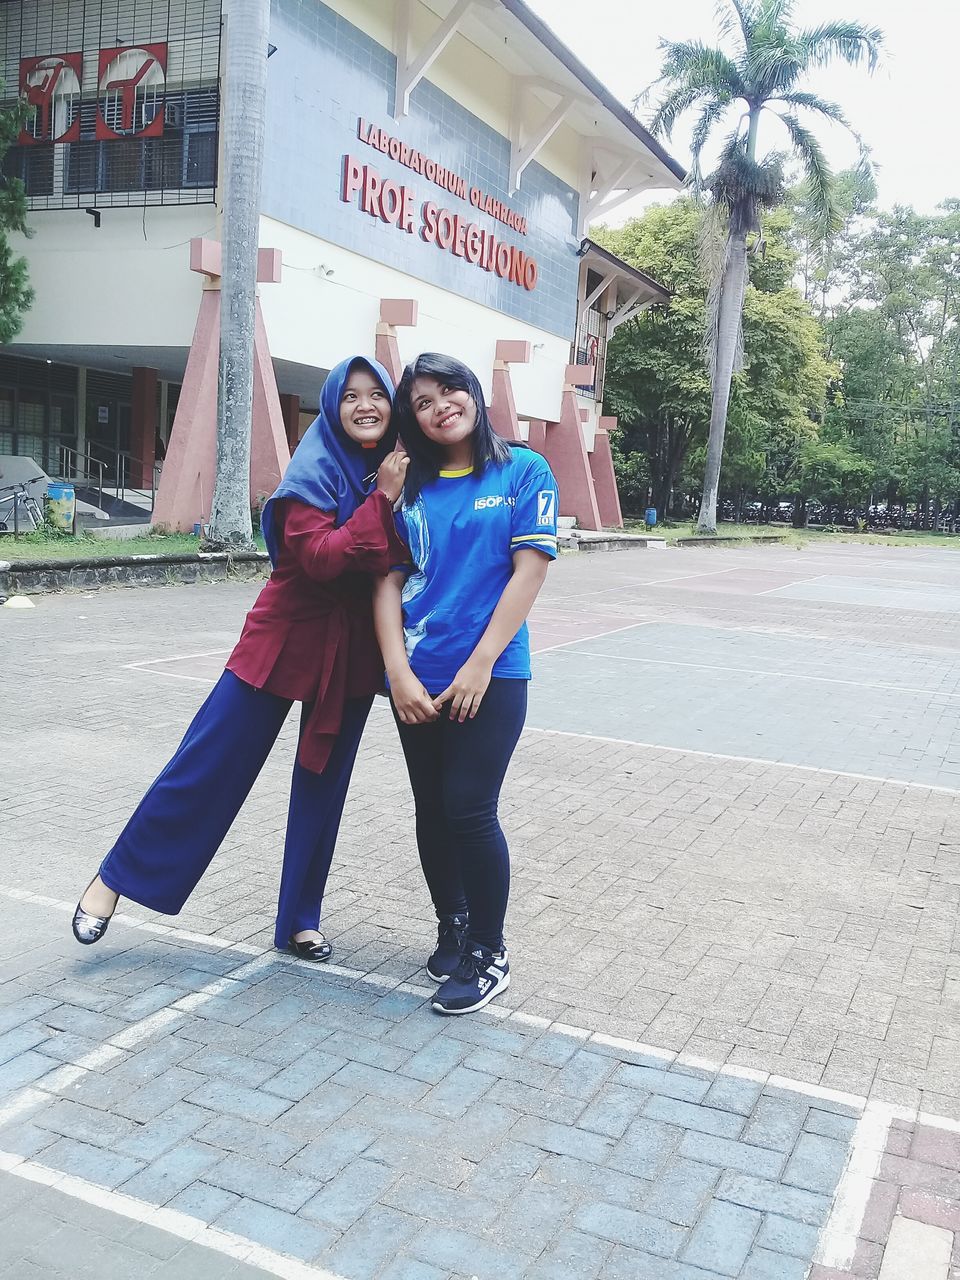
(124, 101)
(184, 157)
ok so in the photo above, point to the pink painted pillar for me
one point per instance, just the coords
(566, 452)
(503, 408)
(604, 477)
(189, 470)
(290, 408)
(143, 427)
(395, 313)
(537, 436)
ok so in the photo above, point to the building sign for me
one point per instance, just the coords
(51, 86)
(130, 94)
(397, 205)
(438, 173)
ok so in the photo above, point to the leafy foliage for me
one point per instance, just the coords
(16, 296)
(759, 71)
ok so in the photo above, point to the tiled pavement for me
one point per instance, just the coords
(790, 933)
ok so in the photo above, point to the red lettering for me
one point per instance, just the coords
(430, 170)
(445, 229)
(372, 182)
(429, 213)
(383, 142)
(352, 175)
(530, 274)
(517, 265)
(474, 243)
(395, 148)
(406, 209)
(503, 260)
(363, 129)
(459, 232)
(391, 202)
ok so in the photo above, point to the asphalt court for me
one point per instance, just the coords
(769, 697)
(693, 649)
(716, 964)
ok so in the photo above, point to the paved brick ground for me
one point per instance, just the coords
(759, 913)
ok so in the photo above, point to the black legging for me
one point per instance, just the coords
(456, 772)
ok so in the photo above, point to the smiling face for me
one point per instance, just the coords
(364, 408)
(446, 415)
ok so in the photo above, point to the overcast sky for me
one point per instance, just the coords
(907, 111)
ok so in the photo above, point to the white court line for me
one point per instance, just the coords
(785, 586)
(753, 671)
(717, 755)
(178, 657)
(191, 1230)
(838, 1240)
(631, 626)
(635, 583)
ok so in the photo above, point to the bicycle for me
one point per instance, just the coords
(19, 512)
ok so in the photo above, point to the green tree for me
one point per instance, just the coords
(658, 385)
(895, 327)
(764, 72)
(16, 296)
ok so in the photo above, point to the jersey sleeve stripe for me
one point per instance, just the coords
(534, 537)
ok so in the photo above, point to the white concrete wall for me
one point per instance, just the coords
(114, 285)
(317, 320)
(469, 76)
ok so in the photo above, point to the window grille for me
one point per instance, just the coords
(119, 127)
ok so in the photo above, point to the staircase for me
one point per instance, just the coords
(107, 504)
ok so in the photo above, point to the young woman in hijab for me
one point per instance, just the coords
(329, 529)
(480, 517)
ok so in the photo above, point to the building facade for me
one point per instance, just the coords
(430, 170)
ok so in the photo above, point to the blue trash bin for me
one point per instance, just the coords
(650, 517)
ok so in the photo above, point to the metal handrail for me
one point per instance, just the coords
(66, 452)
(121, 459)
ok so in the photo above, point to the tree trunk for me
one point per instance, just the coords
(728, 326)
(245, 75)
(800, 512)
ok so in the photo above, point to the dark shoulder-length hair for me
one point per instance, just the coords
(426, 458)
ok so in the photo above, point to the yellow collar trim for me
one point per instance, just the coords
(455, 475)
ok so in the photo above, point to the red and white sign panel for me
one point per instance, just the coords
(51, 86)
(130, 89)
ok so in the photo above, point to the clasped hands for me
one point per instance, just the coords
(465, 693)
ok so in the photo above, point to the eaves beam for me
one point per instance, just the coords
(629, 309)
(521, 156)
(411, 69)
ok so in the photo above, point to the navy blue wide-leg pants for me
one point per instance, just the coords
(182, 820)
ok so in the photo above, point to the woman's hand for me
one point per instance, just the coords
(414, 705)
(466, 692)
(392, 473)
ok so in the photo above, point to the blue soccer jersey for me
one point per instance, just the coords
(462, 531)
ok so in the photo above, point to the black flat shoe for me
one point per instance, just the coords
(311, 949)
(87, 928)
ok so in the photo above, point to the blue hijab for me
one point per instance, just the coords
(328, 469)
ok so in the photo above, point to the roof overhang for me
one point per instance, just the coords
(618, 159)
(635, 290)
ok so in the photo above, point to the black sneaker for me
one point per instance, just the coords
(451, 932)
(481, 975)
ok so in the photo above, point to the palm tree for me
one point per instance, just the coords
(244, 114)
(763, 72)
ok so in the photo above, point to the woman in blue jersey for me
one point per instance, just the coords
(480, 518)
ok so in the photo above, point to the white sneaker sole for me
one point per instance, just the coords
(494, 991)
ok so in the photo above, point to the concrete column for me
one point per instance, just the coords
(143, 427)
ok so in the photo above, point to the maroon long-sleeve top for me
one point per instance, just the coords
(309, 637)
